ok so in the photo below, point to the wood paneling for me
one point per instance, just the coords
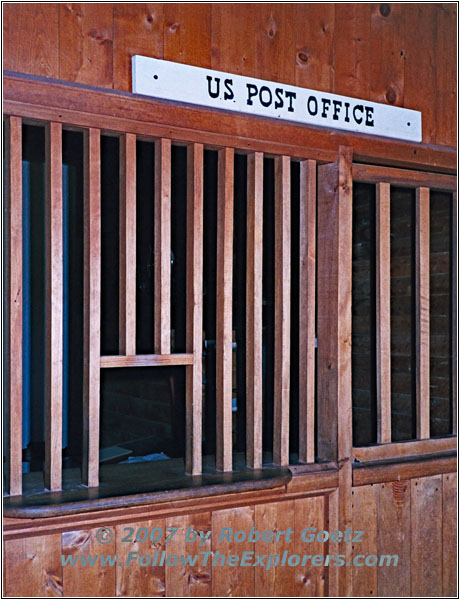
(449, 534)
(309, 580)
(187, 33)
(365, 510)
(446, 74)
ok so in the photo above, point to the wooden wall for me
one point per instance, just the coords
(401, 54)
(414, 519)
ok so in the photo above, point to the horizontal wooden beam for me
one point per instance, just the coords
(403, 449)
(403, 177)
(47, 99)
(146, 360)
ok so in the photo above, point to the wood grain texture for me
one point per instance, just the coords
(13, 304)
(91, 307)
(33, 567)
(229, 24)
(307, 310)
(91, 580)
(187, 33)
(85, 43)
(282, 310)
(254, 375)
(403, 177)
(224, 309)
(426, 524)
(402, 449)
(186, 581)
(54, 307)
(352, 40)
(31, 38)
(449, 537)
(309, 579)
(162, 242)
(387, 54)
(133, 579)
(127, 245)
(446, 74)
(314, 53)
(383, 316)
(424, 466)
(365, 510)
(228, 581)
(194, 308)
(422, 310)
(137, 29)
(146, 360)
(394, 537)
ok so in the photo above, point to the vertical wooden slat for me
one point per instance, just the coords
(14, 303)
(282, 309)
(54, 307)
(307, 310)
(365, 511)
(449, 534)
(91, 309)
(127, 311)
(383, 313)
(224, 310)
(334, 428)
(194, 327)
(422, 310)
(454, 335)
(254, 311)
(162, 246)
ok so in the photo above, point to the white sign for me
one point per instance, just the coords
(215, 89)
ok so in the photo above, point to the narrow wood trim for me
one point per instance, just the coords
(422, 310)
(454, 334)
(307, 310)
(282, 309)
(54, 307)
(194, 309)
(254, 310)
(145, 360)
(127, 310)
(401, 449)
(14, 286)
(381, 471)
(162, 244)
(224, 309)
(91, 308)
(44, 99)
(402, 177)
(383, 316)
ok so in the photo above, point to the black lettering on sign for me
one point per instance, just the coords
(291, 96)
(369, 115)
(326, 104)
(268, 96)
(280, 102)
(214, 94)
(359, 107)
(252, 91)
(312, 106)
(337, 105)
(228, 95)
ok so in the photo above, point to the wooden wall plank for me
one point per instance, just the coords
(365, 510)
(224, 309)
(309, 580)
(230, 23)
(426, 536)
(254, 311)
(194, 308)
(54, 307)
(31, 38)
(227, 580)
(387, 54)
(352, 49)
(14, 305)
(91, 308)
(314, 52)
(422, 310)
(449, 534)
(446, 74)
(85, 43)
(186, 581)
(127, 303)
(133, 579)
(91, 580)
(137, 29)
(162, 243)
(33, 567)
(187, 33)
(307, 310)
(383, 320)
(394, 537)
(278, 580)
(282, 309)
(420, 64)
